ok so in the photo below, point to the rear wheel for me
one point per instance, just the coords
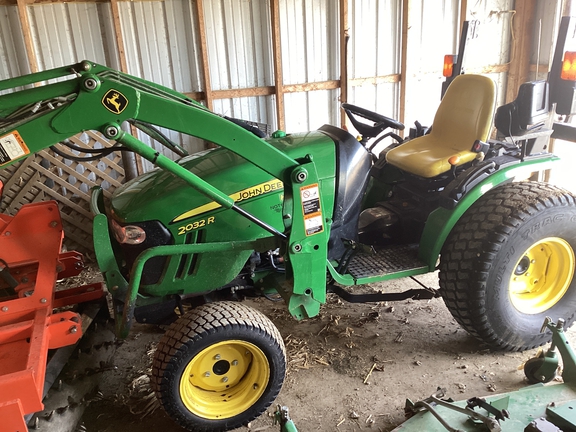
(509, 262)
(219, 367)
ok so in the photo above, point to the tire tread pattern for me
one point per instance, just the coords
(194, 325)
(468, 253)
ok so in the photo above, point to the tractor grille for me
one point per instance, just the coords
(188, 262)
(387, 260)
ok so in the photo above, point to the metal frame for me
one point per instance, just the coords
(28, 326)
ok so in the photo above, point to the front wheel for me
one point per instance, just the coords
(218, 367)
(509, 262)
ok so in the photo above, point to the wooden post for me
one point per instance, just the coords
(344, 36)
(277, 53)
(118, 32)
(404, 60)
(522, 27)
(25, 24)
(566, 7)
(463, 13)
(204, 55)
(131, 162)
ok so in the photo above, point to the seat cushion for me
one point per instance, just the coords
(425, 157)
(464, 116)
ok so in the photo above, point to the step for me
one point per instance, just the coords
(386, 260)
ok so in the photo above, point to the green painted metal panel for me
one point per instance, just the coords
(441, 221)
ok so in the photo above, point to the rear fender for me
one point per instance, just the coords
(441, 221)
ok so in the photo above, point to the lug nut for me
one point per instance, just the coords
(206, 374)
(217, 357)
(235, 363)
(225, 379)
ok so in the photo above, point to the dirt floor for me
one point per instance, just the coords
(349, 369)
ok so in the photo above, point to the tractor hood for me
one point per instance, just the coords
(159, 195)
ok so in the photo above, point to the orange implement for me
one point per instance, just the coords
(30, 245)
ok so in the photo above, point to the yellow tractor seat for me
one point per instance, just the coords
(464, 116)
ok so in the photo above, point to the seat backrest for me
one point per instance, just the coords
(465, 113)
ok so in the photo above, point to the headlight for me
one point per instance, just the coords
(129, 234)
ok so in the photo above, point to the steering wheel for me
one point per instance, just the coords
(380, 122)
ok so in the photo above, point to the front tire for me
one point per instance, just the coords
(509, 262)
(218, 367)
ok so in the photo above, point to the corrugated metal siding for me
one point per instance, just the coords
(310, 40)
(239, 42)
(432, 33)
(309, 31)
(374, 50)
(310, 110)
(65, 33)
(13, 60)
(161, 43)
(546, 23)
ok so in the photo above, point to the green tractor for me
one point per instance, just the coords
(301, 215)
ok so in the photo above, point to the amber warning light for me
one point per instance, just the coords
(449, 61)
(569, 66)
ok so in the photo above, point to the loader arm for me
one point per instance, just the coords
(47, 114)
(45, 108)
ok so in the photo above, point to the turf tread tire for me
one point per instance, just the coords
(469, 254)
(193, 327)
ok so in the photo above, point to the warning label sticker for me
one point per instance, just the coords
(311, 209)
(12, 147)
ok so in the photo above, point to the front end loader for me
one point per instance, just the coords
(299, 216)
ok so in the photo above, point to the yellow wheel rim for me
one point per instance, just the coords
(542, 276)
(224, 380)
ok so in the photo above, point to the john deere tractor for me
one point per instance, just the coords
(304, 214)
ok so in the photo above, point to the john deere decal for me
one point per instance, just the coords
(114, 101)
(242, 195)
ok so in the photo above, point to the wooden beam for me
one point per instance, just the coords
(270, 90)
(542, 68)
(313, 86)
(566, 7)
(392, 78)
(521, 43)
(344, 36)
(404, 60)
(463, 14)
(64, 1)
(243, 92)
(277, 55)
(204, 55)
(131, 162)
(25, 24)
(118, 33)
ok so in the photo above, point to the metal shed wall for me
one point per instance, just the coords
(13, 61)
(374, 55)
(231, 58)
(162, 43)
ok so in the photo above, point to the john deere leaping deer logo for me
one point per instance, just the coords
(114, 101)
